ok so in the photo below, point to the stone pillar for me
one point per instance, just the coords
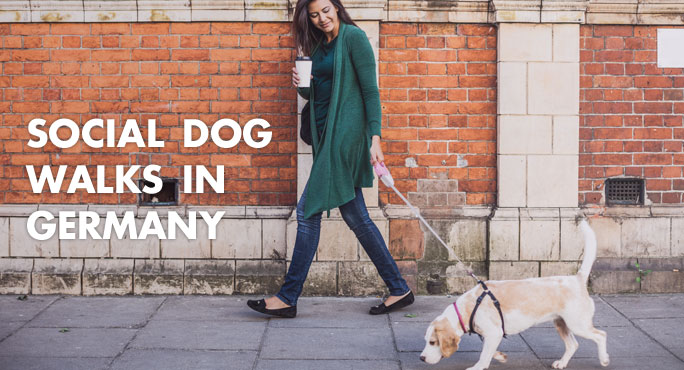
(538, 108)
(537, 146)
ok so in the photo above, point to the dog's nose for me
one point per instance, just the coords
(422, 358)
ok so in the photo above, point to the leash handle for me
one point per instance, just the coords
(383, 174)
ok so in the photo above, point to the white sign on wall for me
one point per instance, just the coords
(670, 48)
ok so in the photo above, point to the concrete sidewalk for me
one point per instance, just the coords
(202, 332)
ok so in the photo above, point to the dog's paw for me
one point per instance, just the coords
(559, 365)
(501, 357)
(605, 361)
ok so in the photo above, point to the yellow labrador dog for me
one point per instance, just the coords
(524, 303)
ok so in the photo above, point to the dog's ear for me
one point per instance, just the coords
(446, 335)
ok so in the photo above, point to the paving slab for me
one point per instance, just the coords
(333, 313)
(462, 360)
(622, 342)
(328, 365)
(53, 363)
(328, 344)
(667, 332)
(168, 359)
(79, 342)
(207, 308)
(205, 335)
(98, 312)
(9, 327)
(410, 337)
(648, 306)
(12, 309)
(624, 363)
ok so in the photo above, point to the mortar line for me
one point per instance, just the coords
(394, 340)
(147, 321)
(34, 316)
(257, 358)
(642, 330)
(531, 349)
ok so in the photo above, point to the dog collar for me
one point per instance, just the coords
(460, 319)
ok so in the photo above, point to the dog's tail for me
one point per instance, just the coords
(589, 250)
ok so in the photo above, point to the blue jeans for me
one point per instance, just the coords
(356, 216)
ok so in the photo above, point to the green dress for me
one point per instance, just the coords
(322, 70)
(342, 153)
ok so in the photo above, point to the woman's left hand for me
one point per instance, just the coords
(376, 151)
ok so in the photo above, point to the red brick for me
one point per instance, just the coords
(189, 81)
(69, 55)
(69, 107)
(645, 56)
(271, 28)
(477, 55)
(673, 198)
(398, 28)
(194, 28)
(110, 29)
(30, 81)
(191, 54)
(107, 107)
(34, 159)
(230, 54)
(476, 30)
(150, 28)
(109, 81)
(30, 55)
(653, 108)
(150, 54)
(398, 55)
(30, 29)
(613, 30)
(658, 184)
(271, 55)
(612, 159)
(231, 28)
(614, 56)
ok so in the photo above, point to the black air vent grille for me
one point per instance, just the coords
(167, 196)
(625, 191)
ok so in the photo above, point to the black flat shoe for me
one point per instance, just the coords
(260, 306)
(381, 308)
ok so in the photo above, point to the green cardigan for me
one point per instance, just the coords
(342, 155)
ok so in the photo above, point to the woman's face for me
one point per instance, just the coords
(323, 15)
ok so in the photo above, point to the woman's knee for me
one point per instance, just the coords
(312, 221)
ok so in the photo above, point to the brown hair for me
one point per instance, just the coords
(306, 35)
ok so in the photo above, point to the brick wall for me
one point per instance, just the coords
(438, 93)
(163, 71)
(631, 114)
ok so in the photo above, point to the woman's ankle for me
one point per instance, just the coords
(274, 303)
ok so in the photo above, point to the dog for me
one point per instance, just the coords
(524, 303)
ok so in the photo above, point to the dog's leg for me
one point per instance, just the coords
(491, 343)
(585, 329)
(501, 357)
(570, 344)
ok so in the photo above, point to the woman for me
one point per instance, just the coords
(345, 118)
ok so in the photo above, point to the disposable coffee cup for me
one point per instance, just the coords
(303, 65)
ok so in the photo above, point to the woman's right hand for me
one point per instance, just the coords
(295, 77)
